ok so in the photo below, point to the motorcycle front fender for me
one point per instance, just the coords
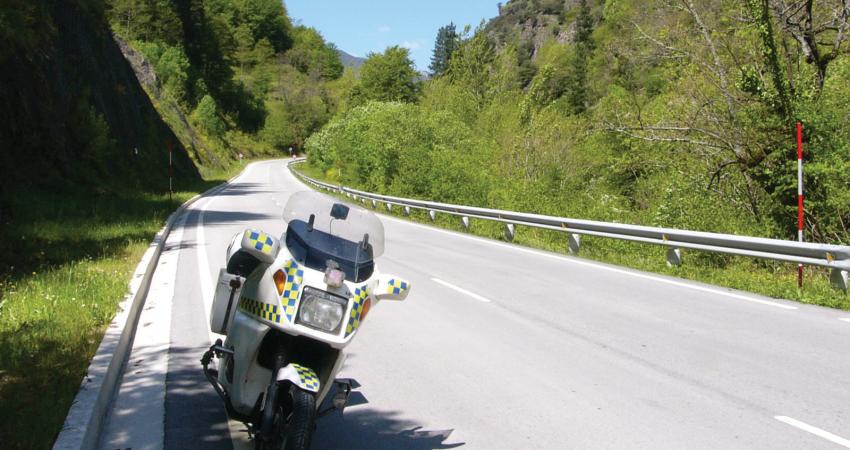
(301, 376)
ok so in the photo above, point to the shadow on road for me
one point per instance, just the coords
(195, 416)
(212, 217)
(360, 428)
(369, 429)
(237, 189)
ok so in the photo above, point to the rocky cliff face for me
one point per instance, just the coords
(72, 110)
(533, 22)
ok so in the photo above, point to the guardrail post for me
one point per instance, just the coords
(432, 214)
(510, 231)
(374, 204)
(674, 257)
(838, 278)
(465, 221)
(389, 207)
(574, 243)
(406, 210)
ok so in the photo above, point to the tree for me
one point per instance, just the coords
(267, 19)
(577, 91)
(206, 116)
(332, 67)
(172, 68)
(151, 20)
(472, 64)
(389, 76)
(311, 55)
(820, 32)
(445, 45)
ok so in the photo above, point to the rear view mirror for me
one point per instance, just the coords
(389, 287)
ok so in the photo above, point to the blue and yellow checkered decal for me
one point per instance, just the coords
(309, 379)
(294, 280)
(260, 309)
(397, 286)
(260, 241)
(360, 295)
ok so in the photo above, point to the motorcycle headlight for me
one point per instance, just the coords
(321, 310)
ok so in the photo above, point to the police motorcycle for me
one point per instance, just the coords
(288, 308)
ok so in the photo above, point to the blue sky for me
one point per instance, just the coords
(360, 27)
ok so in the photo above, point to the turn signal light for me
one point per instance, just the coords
(366, 307)
(279, 281)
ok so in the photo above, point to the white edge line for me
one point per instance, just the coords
(461, 290)
(203, 263)
(201, 242)
(603, 267)
(845, 320)
(814, 430)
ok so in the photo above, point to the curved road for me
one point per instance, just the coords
(502, 347)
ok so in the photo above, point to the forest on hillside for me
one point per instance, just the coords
(250, 81)
(660, 112)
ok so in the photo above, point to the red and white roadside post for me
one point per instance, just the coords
(800, 197)
(170, 168)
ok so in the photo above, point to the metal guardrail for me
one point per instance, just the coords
(834, 257)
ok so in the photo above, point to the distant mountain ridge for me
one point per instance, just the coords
(351, 61)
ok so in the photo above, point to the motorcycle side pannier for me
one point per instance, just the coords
(225, 301)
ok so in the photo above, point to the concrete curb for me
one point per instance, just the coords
(84, 422)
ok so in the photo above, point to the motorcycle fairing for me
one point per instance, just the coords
(397, 286)
(260, 300)
(262, 310)
(288, 300)
(360, 296)
(260, 245)
(292, 288)
(301, 376)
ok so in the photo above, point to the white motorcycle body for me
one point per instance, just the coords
(278, 303)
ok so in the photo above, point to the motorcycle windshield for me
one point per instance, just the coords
(321, 228)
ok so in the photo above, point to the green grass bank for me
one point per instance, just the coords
(66, 265)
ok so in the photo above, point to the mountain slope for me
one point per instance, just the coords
(73, 111)
(350, 61)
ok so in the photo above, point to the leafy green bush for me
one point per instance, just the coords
(206, 117)
(404, 149)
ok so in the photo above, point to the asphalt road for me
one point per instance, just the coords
(503, 347)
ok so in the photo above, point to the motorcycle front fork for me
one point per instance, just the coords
(270, 403)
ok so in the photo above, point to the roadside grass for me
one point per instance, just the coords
(768, 278)
(65, 264)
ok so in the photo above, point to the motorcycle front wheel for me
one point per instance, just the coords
(294, 422)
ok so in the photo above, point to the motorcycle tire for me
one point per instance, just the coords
(294, 422)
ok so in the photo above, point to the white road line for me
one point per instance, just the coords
(814, 430)
(603, 267)
(461, 290)
(845, 320)
(204, 263)
(201, 245)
